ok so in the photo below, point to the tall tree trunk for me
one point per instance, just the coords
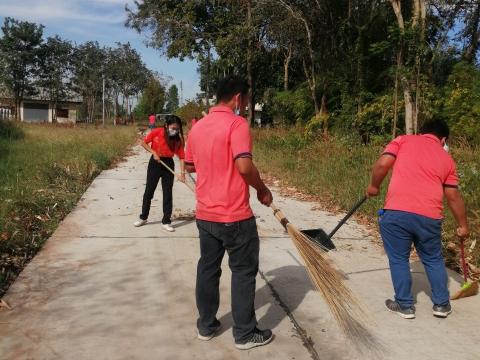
(312, 87)
(407, 94)
(115, 109)
(395, 97)
(409, 109)
(54, 111)
(310, 70)
(207, 81)
(324, 114)
(17, 109)
(250, 77)
(286, 66)
(470, 53)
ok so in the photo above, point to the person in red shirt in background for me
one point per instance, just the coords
(151, 121)
(423, 173)
(219, 150)
(163, 143)
(193, 122)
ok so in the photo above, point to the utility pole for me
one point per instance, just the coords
(103, 100)
(181, 92)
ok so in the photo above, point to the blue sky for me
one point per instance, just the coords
(103, 21)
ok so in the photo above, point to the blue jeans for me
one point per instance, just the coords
(399, 229)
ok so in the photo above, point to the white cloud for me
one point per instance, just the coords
(91, 11)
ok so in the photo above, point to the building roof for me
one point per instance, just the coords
(42, 95)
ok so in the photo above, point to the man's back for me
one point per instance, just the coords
(214, 145)
(422, 169)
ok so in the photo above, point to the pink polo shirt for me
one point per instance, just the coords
(421, 171)
(213, 146)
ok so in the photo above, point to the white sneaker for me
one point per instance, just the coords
(168, 227)
(139, 222)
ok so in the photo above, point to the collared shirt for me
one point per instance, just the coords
(156, 139)
(213, 146)
(421, 171)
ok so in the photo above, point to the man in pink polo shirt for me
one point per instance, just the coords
(423, 173)
(219, 150)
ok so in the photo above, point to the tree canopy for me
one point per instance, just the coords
(375, 66)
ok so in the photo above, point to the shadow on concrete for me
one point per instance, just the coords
(288, 285)
(420, 283)
(174, 223)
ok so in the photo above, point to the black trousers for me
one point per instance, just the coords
(240, 240)
(155, 172)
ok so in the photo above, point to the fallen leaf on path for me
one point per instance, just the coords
(3, 304)
(451, 246)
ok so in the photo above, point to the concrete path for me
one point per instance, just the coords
(102, 289)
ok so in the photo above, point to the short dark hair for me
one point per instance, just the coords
(437, 127)
(231, 85)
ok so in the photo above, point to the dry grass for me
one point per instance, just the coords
(42, 176)
(336, 172)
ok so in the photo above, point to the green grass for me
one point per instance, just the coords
(44, 170)
(337, 172)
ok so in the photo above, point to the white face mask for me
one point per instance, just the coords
(445, 147)
(172, 132)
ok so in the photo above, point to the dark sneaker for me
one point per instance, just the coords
(259, 338)
(208, 336)
(406, 313)
(442, 311)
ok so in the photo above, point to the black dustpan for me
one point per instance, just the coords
(321, 237)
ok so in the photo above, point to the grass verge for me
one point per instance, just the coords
(44, 170)
(337, 171)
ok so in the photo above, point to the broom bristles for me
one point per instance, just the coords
(345, 308)
(470, 290)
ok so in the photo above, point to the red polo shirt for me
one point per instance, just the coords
(151, 119)
(421, 171)
(156, 139)
(213, 146)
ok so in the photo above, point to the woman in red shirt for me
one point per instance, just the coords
(163, 143)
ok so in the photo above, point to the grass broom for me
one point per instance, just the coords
(174, 174)
(345, 308)
(468, 288)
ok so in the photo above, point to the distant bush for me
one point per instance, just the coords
(293, 106)
(462, 102)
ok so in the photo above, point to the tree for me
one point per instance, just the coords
(19, 57)
(153, 98)
(89, 66)
(190, 110)
(56, 66)
(172, 99)
(131, 73)
(179, 28)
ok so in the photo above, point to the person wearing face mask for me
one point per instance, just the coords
(422, 174)
(219, 150)
(163, 143)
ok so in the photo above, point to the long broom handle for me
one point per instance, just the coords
(349, 214)
(279, 215)
(464, 263)
(173, 172)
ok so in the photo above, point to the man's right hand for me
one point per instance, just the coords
(463, 232)
(372, 191)
(265, 196)
(156, 157)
